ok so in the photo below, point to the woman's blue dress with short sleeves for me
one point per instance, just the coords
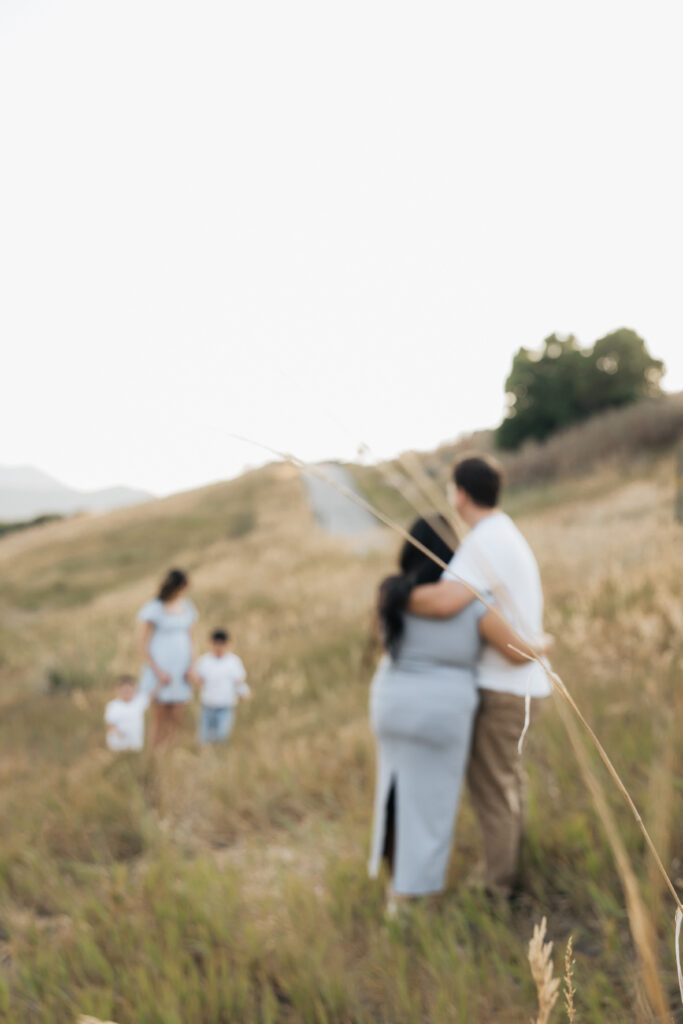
(171, 649)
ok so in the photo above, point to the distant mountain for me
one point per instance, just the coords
(27, 478)
(26, 492)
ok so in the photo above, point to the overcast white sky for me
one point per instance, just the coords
(317, 223)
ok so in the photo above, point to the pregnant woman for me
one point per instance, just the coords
(167, 649)
(422, 705)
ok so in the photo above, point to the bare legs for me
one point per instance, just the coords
(165, 725)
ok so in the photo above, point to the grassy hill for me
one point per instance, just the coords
(214, 886)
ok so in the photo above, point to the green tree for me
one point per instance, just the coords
(563, 383)
(625, 369)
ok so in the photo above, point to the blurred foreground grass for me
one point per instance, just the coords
(211, 886)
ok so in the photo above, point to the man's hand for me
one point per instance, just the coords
(439, 600)
(545, 643)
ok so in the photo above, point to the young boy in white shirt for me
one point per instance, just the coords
(221, 679)
(125, 716)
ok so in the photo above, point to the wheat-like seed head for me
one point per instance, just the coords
(569, 990)
(540, 953)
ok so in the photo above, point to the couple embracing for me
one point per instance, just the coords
(448, 699)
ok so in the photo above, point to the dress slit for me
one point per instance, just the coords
(389, 845)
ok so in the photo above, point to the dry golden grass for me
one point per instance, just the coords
(640, 919)
(540, 961)
(204, 888)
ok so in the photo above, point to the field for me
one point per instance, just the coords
(207, 887)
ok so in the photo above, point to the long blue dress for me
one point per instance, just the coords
(422, 707)
(171, 648)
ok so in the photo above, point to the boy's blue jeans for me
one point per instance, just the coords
(215, 724)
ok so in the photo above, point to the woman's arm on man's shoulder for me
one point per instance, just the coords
(440, 600)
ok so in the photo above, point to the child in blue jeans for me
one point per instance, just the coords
(221, 679)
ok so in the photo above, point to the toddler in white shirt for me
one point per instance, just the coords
(125, 716)
(221, 678)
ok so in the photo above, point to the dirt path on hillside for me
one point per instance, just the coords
(334, 512)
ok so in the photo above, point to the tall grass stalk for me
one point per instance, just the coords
(661, 795)
(416, 499)
(433, 495)
(679, 968)
(569, 988)
(640, 921)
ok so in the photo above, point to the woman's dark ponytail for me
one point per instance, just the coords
(416, 568)
(392, 602)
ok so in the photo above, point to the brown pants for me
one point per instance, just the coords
(497, 784)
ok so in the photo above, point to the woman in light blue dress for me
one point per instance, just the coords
(422, 705)
(167, 650)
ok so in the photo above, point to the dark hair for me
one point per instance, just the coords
(416, 568)
(481, 478)
(125, 681)
(220, 636)
(175, 581)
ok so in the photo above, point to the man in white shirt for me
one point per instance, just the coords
(125, 716)
(222, 681)
(495, 559)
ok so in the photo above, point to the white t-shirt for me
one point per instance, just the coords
(223, 680)
(494, 557)
(128, 717)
